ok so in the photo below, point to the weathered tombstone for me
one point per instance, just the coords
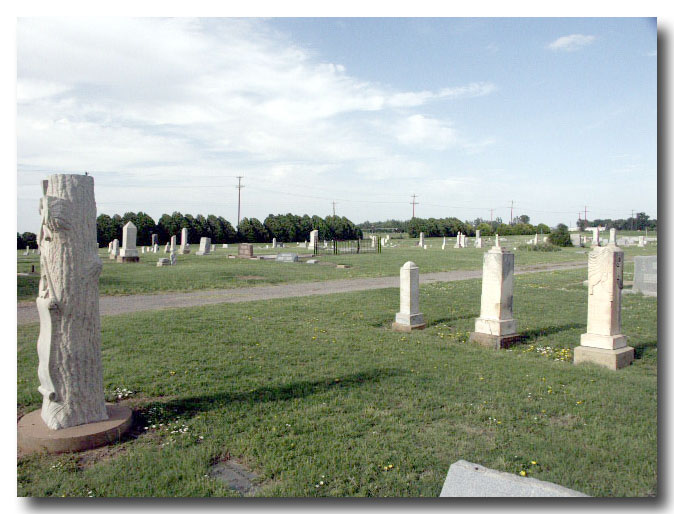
(409, 318)
(225, 245)
(70, 369)
(173, 259)
(373, 242)
(168, 248)
(155, 247)
(115, 249)
(204, 246)
(164, 262)
(273, 243)
(313, 239)
(312, 261)
(109, 246)
(155, 239)
(246, 250)
(458, 241)
(575, 239)
(603, 343)
(536, 238)
(287, 257)
(128, 252)
(444, 242)
(545, 239)
(496, 328)
(595, 235)
(478, 239)
(184, 245)
(421, 239)
(142, 249)
(642, 241)
(646, 275)
(213, 248)
(611, 236)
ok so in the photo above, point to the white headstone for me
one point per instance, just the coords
(184, 245)
(70, 369)
(603, 343)
(313, 239)
(273, 243)
(115, 249)
(421, 239)
(611, 236)
(595, 235)
(409, 317)
(129, 249)
(496, 327)
(204, 246)
(172, 247)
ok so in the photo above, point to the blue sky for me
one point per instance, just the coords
(468, 113)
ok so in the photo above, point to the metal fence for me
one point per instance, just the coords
(356, 246)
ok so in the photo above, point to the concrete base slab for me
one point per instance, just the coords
(34, 435)
(127, 259)
(399, 327)
(493, 341)
(612, 359)
(466, 479)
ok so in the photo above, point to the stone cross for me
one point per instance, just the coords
(603, 342)
(409, 318)
(496, 327)
(70, 369)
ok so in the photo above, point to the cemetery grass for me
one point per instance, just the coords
(216, 271)
(319, 397)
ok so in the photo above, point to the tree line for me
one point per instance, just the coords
(450, 227)
(284, 227)
(641, 221)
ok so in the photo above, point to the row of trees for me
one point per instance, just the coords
(284, 227)
(26, 240)
(450, 227)
(641, 221)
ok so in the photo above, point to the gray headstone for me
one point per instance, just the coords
(466, 479)
(287, 257)
(646, 275)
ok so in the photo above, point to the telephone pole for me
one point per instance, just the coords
(414, 202)
(512, 202)
(586, 214)
(333, 208)
(239, 213)
(632, 218)
(492, 215)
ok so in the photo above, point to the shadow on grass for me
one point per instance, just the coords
(537, 332)
(449, 320)
(643, 346)
(195, 404)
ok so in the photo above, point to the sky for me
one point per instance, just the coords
(471, 115)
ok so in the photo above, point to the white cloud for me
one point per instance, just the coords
(155, 99)
(571, 42)
(418, 130)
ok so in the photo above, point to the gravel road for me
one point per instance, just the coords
(112, 305)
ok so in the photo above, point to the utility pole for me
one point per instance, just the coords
(239, 213)
(586, 214)
(333, 208)
(492, 215)
(632, 218)
(512, 202)
(414, 202)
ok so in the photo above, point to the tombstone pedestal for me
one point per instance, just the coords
(128, 259)
(603, 343)
(409, 318)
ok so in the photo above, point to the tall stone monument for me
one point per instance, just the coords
(70, 370)
(155, 239)
(603, 342)
(409, 318)
(129, 252)
(496, 328)
(421, 239)
(184, 245)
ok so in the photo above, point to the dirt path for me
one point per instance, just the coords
(112, 305)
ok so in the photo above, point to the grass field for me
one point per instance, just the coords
(320, 398)
(218, 272)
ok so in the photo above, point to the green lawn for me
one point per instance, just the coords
(319, 389)
(218, 272)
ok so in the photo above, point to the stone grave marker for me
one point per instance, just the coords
(646, 275)
(204, 246)
(246, 250)
(287, 257)
(410, 317)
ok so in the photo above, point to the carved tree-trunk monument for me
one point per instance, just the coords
(70, 370)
